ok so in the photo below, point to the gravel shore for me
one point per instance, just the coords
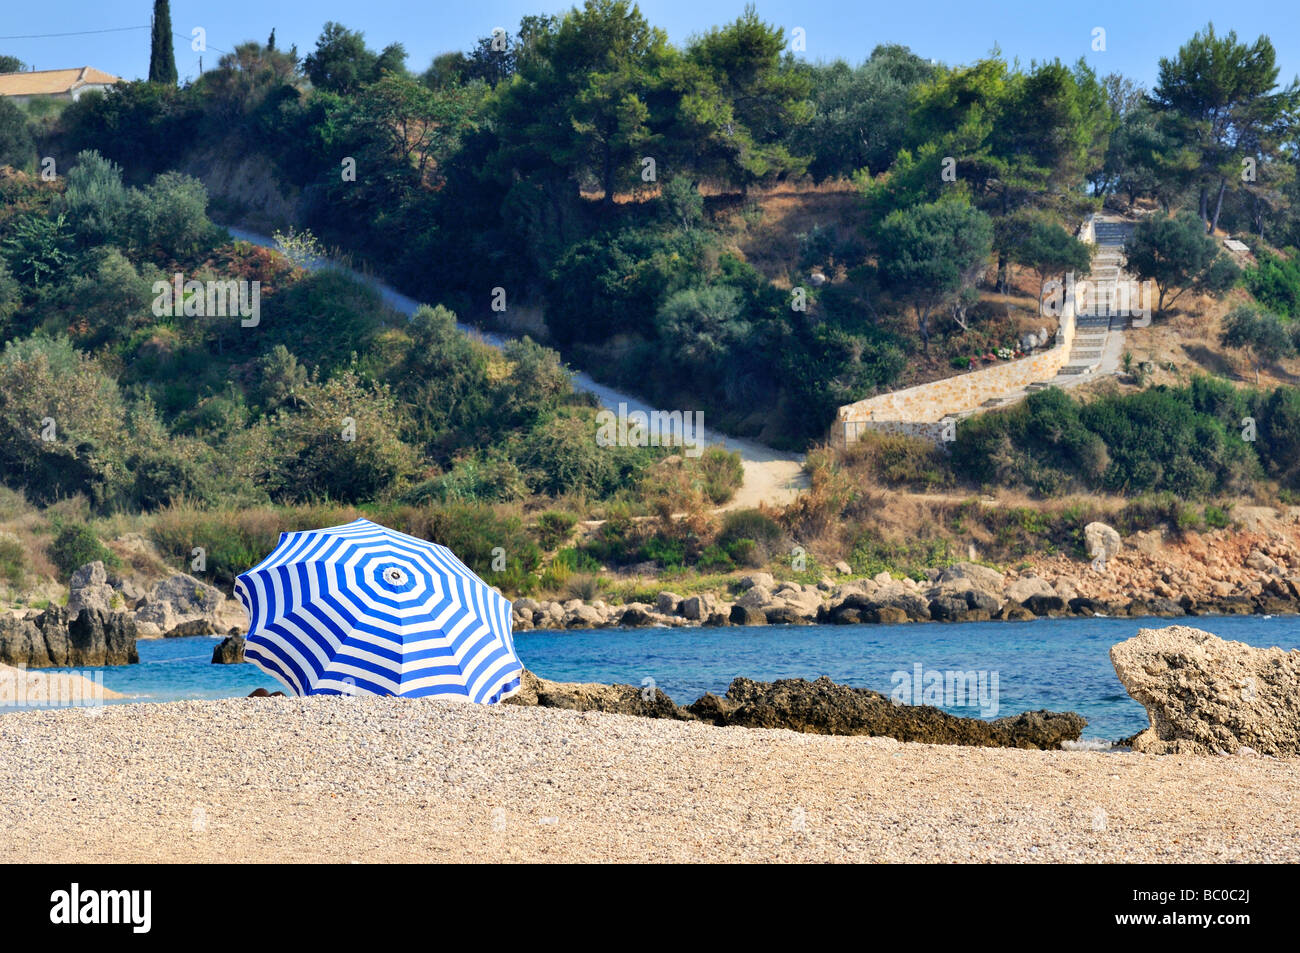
(384, 780)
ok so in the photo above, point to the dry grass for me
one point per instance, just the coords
(850, 507)
(765, 230)
(1186, 342)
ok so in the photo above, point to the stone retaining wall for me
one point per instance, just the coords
(918, 410)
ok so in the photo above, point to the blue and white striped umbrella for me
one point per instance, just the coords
(363, 609)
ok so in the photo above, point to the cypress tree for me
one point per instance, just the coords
(162, 57)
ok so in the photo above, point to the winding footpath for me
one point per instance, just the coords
(771, 476)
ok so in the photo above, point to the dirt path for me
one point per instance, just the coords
(771, 476)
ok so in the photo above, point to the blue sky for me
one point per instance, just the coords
(1138, 32)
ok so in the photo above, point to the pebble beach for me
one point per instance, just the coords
(379, 780)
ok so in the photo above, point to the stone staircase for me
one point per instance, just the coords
(1093, 331)
(1096, 344)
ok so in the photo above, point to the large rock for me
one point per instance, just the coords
(1049, 604)
(230, 651)
(1027, 586)
(747, 615)
(1205, 695)
(91, 574)
(1261, 562)
(699, 608)
(54, 638)
(786, 615)
(646, 701)
(881, 603)
(584, 617)
(755, 597)
(635, 615)
(181, 598)
(89, 589)
(949, 604)
(1103, 542)
(948, 608)
(827, 708)
(973, 575)
(666, 603)
(201, 627)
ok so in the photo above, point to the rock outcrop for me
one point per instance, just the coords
(1103, 541)
(182, 605)
(1212, 573)
(230, 651)
(56, 639)
(825, 707)
(1205, 695)
(820, 707)
(647, 701)
(89, 589)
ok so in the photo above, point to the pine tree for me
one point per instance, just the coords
(162, 57)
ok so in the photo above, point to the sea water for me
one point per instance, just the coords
(1057, 664)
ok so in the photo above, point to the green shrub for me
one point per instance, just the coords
(62, 423)
(872, 554)
(553, 529)
(170, 215)
(618, 540)
(75, 545)
(751, 537)
(667, 552)
(38, 248)
(747, 553)
(1217, 517)
(721, 474)
(1275, 283)
(561, 456)
(95, 199)
(716, 559)
(13, 561)
(485, 479)
(1163, 439)
(17, 147)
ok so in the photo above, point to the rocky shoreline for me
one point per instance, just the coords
(1249, 571)
(106, 613)
(964, 592)
(820, 707)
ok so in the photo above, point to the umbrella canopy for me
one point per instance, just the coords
(363, 609)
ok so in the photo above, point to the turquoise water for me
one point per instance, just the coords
(1060, 664)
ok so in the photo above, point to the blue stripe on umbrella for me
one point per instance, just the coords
(363, 609)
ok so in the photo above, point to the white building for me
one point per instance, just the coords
(66, 84)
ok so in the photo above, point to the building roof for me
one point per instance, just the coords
(52, 82)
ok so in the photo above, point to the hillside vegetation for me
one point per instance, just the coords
(720, 227)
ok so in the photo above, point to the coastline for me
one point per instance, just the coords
(436, 780)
